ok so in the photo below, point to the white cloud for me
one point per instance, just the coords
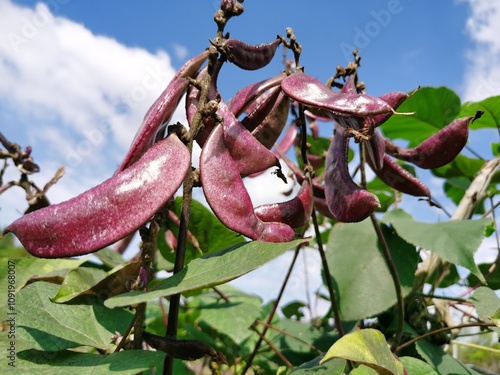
(482, 77)
(77, 98)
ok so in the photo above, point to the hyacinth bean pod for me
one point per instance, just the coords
(109, 211)
(295, 212)
(249, 155)
(269, 130)
(311, 92)
(394, 99)
(375, 150)
(162, 110)
(258, 110)
(400, 179)
(249, 57)
(247, 95)
(439, 149)
(345, 199)
(227, 196)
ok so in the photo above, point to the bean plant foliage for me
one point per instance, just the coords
(381, 268)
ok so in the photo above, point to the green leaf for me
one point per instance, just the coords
(487, 304)
(366, 346)
(415, 366)
(210, 270)
(293, 310)
(51, 326)
(211, 234)
(68, 362)
(495, 148)
(455, 241)
(491, 116)
(359, 270)
(232, 318)
(77, 281)
(434, 108)
(109, 257)
(493, 280)
(462, 166)
(334, 367)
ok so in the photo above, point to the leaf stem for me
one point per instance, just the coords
(444, 329)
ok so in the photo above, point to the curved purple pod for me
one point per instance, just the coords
(249, 57)
(345, 199)
(249, 155)
(375, 149)
(269, 130)
(400, 179)
(244, 97)
(394, 99)
(295, 212)
(162, 110)
(309, 91)
(227, 196)
(437, 150)
(258, 110)
(109, 211)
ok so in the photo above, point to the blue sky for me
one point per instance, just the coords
(73, 73)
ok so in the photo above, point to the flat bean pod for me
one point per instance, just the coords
(269, 130)
(309, 91)
(400, 179)
(258, 110)
(227, 196)
(162, 110)
(345, 199)
(437, 150)
(295, 212)
(249, 57)
(109, 211)
(375, 149)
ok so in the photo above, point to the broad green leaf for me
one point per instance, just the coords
(51, 326)
(495, 318)
(366, 346)
(77, 281)
(441, 362)
(455, 188)
(210, 270)
(335, 366)
(490, 117)
(434, 108)
(415, 366)
(359, 270)
(493, 280)
(89, 281)
(495, 148)
(293, 310)
(363, 370)
(487, 304)
(462, 166)
(232, 318)
(68, 362)
(211, 234)
(109, 257)
(455, 241)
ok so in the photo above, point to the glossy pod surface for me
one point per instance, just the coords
(109, 211)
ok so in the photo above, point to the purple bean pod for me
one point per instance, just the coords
(227, 196)
(269, 130)
(244, 97)
(162, 110)
(258, 110)
(375, 149)
(249, 155)
(295, 212)
(394, 99)
(345, 199)
(311, 92)
(437, 150)
(249, 57)
(109, 211)
(400, 179)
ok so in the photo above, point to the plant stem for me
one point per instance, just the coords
(272, 312)
(444, 329)
(187, 195)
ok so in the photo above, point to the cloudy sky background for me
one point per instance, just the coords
(77, 77)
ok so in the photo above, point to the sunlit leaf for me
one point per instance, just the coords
(490, 117)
